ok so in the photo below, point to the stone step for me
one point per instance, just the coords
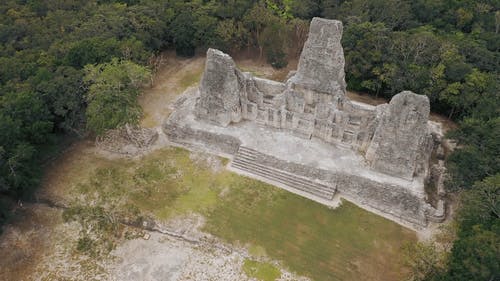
(260, 122)
(274, 177)
(286, 176)
(249, 150)
(252, 155)
(247, 155)
(246, 160)
(297, 180)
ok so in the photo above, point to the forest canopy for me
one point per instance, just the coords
(75, 68)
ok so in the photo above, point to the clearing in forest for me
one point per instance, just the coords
(273, 232)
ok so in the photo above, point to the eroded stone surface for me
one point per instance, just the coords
(401, 135)
(393, 140)
(220, 90)
(321, 64)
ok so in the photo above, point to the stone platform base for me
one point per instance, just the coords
(311, 167)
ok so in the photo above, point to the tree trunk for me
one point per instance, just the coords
(451, 113)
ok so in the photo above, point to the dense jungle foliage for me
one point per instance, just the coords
(75, 67)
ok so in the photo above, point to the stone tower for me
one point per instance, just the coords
(220, 90)
(401, 135)
(321, 64)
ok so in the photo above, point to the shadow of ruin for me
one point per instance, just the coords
(305, 135)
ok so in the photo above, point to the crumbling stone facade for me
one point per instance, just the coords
(395, 139)
(313, 103)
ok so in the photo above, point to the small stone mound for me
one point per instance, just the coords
(127, 140)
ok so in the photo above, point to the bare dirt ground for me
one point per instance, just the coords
(24, 243)
(202, 257)
(167, 85)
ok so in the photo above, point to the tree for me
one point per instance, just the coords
(205, 26)
(479, 153)
(273, 39)
(63, 91)
(233, 9)
(475, 257)
(232, 35)
(366, 48)
(255, 21)
(24, 123)
(480, 206)
(299, 33)
(395, 14)
(330, 8)
(29, 115)
(475, 254)
(92, 51)
(304, 9)
(112, 96)
(425, 261)
(182, 30)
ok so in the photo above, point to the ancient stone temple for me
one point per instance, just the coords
(306, 135)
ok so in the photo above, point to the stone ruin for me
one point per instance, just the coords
(127, 140)
(306, 135)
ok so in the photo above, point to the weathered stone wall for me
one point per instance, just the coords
(386, 198)
(401, 135)
(312, 103)
(198, 138)
(392, 200)
(394, 138)
(321, 63)
(182, 134)
(220, 90)
(270, 87)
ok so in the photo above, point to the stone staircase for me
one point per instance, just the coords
(247, 160)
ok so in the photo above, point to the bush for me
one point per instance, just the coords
(277, 58)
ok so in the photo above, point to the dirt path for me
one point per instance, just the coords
(171, 80)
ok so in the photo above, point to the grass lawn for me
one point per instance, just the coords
(261, 271)
(346, 243)
(191, 78)
(163, 184)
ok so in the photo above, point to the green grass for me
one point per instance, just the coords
(261, 270)
(347, 243)
(252, 70)
(164, 184)
(191, 78)
(257, 251)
